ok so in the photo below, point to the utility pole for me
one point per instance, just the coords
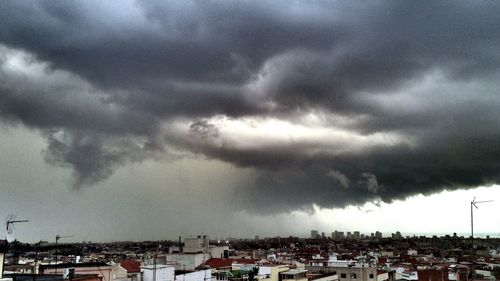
(474, 203)
(154, 267)
(37, 246)
(154, 261)
(58, 237)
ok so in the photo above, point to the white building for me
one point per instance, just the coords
(219, 251)
(202, 275)
(196, 245)
(412, 252)
(346, 263)
(159, 272)
(2, 256)
(187, 261)
(347, 271)
(405, 274)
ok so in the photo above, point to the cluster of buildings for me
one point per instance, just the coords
(351, 235)
(336, 258)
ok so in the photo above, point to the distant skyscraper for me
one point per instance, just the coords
(314, 234)
(397, 235)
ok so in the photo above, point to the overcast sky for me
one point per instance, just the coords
(147, 120)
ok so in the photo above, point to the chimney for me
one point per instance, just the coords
(180, 245)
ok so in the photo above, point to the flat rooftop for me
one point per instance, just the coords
(293, 271)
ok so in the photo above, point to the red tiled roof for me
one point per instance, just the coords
(131, 266)
(221, 262)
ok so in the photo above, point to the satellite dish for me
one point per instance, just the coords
(9, 227)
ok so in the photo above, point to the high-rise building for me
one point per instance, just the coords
(397, 235)
(339, 235)
(314, 234)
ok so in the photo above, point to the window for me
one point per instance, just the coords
(343, 275)
(371, 275)
(353, 275)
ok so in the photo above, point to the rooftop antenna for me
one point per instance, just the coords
(9, 227)
(155, 255)
(474, 203)
(58, 237)
(9, 235)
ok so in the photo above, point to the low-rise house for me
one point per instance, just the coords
(103, 270)
(132, 268)
(293, 275)
(187, 261)
(52, 277)
(127, 270)
(270, 272)
(158, 272)
(436, 274)
(200, 275)
(217, 263)
(3, 249)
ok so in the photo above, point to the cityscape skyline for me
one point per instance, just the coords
(449, 258)
(134, 120)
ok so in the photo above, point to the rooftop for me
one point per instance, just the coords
(46, 277)
(293, 271)
(67, 265)
(221, 262)
(131, 266)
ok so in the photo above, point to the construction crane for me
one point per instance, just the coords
(58, 237)
(474, 203)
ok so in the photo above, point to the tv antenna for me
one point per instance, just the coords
(9, 227)
(474, 203)
(59, 237)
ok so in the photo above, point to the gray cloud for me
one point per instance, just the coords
(406, 91)
(92, 157)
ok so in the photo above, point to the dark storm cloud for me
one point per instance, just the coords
(105, 81)
(92, 157)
